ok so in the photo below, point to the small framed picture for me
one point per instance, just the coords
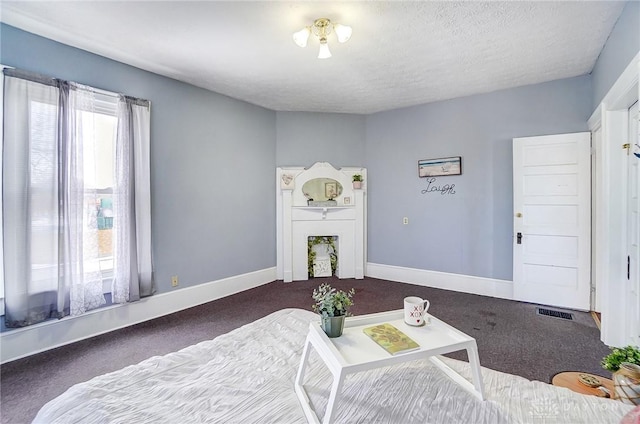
(347, 200)
(331, 190)
(440, 167)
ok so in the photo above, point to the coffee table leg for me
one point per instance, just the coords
(336, 388)
(303, 398)
(474, 362)
(303, 362)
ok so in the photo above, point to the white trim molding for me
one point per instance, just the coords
(609, 125)
(492, 287)
(22, 342)
(623, 92)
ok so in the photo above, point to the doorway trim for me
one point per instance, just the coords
(608, 125)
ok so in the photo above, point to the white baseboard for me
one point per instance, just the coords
(22, 342)
(502, 289)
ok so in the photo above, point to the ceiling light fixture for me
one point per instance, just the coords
(321, 28)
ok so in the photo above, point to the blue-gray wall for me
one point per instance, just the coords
(469, 232)
(305, 138)
(622, 46)
(212, 162)
(203, 144)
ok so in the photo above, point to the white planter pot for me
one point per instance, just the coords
(626, 383)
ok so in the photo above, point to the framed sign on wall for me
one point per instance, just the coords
(440, 167)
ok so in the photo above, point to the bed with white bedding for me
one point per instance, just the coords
(247, 376)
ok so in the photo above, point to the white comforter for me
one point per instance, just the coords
(247, 375)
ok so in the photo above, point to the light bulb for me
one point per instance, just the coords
(343, 32)
(324, 52)
(301, 37)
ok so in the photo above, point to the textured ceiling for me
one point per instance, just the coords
(401, 53)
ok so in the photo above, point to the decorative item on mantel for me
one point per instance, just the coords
(357, 181)
(332, 305)
(625, 365)
(329, 261)
(287, 182)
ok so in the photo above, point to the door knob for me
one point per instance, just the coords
(518, 215)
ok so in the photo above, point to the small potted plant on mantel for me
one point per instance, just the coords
(332, 305)
(624, 363)
(357, 181)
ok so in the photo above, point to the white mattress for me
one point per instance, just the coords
(247, 375)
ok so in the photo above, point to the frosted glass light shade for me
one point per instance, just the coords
(301, 37)
(343, 32)
(324, 52)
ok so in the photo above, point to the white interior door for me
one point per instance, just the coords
(633, 233)
(552, 220)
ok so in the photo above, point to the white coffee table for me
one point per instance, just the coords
(354, 352)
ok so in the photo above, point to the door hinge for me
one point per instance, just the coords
(627, 146)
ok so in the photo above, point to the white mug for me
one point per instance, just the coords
(414, 310)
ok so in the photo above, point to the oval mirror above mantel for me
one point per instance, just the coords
(322, 190)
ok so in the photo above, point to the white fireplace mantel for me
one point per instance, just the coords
(296, 221)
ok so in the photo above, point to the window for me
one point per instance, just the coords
(68, 197)
(98, 137)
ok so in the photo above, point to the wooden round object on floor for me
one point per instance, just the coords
(571, 380)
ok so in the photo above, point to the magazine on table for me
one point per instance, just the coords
(391, 339)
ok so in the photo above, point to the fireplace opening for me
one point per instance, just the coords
(322, 256)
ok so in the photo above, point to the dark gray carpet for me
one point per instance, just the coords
(511, 337)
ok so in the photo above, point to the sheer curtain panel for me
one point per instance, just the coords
(132, 203)
(30, 166)
(80, 261)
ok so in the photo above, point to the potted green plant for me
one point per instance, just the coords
(617, 356)
(624, 363)
(357, 181)
(333, 307)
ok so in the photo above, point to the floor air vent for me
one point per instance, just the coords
(555, 314)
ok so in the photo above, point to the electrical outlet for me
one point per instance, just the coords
(405, 220)
(174, 281)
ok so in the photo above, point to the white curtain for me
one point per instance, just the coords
(132, 203)
(50, 245)
(80, 262)
(30, 202)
